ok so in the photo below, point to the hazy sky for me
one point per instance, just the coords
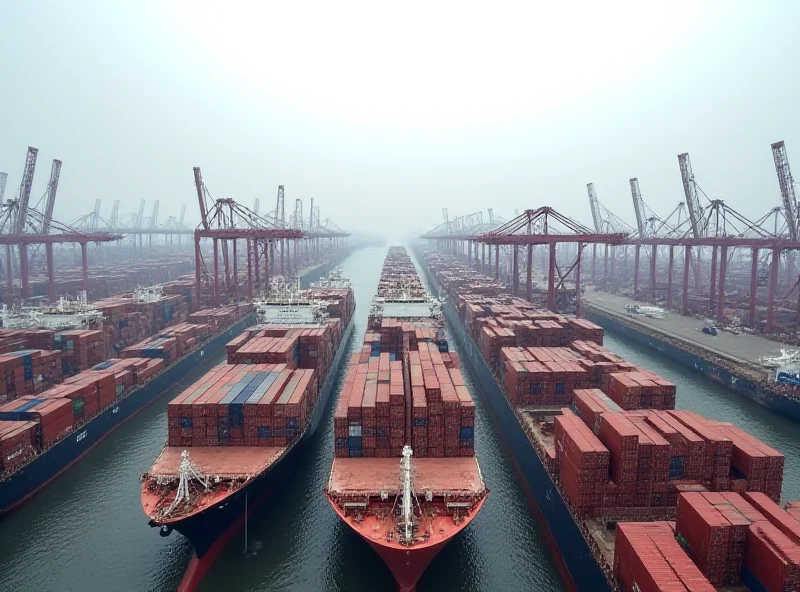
(387, 112)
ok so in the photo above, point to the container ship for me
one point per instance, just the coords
(634, 495)
(73, 372)
(229, 432)
(404, 476)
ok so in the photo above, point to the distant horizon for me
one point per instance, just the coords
(386, 116)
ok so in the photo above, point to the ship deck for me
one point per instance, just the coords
(221, 461)
(742, 348)
(363, 476)
(534, 416)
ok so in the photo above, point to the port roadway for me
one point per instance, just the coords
(742, 348)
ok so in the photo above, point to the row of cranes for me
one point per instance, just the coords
(134, 222)
(692, 218)
(25, 226)
(743, 270)
(281, 244)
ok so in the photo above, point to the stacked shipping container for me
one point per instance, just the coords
(47, 413)
(401, 389)
(624, 452)
(28, 372)
(244, 405)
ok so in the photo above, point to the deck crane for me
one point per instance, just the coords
(3, 179)
(785, 182)
(95, 215)
(597, 218)
(114, 214)
(638, 205)
(25, 190)
(52, 188)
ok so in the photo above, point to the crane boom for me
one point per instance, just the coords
(52, 189)
(25, 189)
(311, 216)
(637, 205)
(491, 216)
(114, 214)
(139, 215)
(785, 182)
(3, 179)
(198, 183)
(596, 217)
(256, 206)
(95, 214)
(689, 189)
(298, 214)
(280, 220)
(154, 217)
(183, 214)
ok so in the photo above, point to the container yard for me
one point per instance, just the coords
(404, 429)
(635, 478)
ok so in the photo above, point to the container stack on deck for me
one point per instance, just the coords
(621, 451)
(267, 391)
(28, 372)
(43, 412)
(244, 405)
(400, 388)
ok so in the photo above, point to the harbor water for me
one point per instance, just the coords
(87, 531)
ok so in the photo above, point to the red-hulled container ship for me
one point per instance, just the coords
(634, 494)
(229, 431)
(405, 476)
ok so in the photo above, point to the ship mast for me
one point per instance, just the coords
(405, 471)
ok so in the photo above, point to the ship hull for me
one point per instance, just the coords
(210, 531)
(28, 481)
(571, 551)
(407, 564)
(741, 385)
